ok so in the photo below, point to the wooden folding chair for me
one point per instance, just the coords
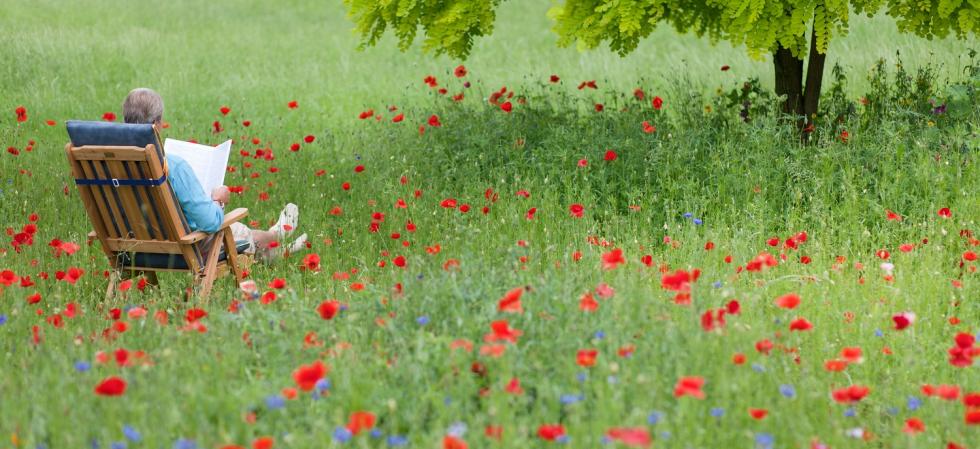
(121, 175)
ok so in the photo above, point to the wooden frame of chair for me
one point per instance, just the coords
(133, 210)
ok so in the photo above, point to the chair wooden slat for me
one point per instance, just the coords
(116, 211)
(144, 246)
(135, 215)
(95, 153)
(101, 200)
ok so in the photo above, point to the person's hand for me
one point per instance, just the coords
(221, 195)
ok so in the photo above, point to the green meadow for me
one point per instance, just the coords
(466, 212)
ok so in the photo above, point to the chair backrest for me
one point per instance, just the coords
(120, 171)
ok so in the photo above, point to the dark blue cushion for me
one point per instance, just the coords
(173, 261)
(113, 134)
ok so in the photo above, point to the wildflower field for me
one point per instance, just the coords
(534, 248)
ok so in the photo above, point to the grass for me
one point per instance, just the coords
(390, 353)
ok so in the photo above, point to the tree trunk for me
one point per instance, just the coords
(789, 80)
(814, 79)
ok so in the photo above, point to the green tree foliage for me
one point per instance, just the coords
(761, 25)
(450, 25)
(789, 30)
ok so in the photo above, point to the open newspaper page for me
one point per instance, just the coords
(207, 162)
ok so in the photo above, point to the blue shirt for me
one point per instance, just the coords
(201, 212)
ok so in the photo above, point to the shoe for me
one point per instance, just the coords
(288, 220)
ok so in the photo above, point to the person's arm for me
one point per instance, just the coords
(202, 213)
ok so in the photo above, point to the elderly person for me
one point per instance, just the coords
(203, 213)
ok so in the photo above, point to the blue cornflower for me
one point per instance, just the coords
(717, 412)
(850, 412)
(94, 444)
(323, 384)
(758, 368)
(184, 443)
(655, 417)
(582, 377)
(567, 399)
(599, 335)
(422, 320)
(688, 215)
(447, 400)
(562, 439)
(397, 440)
(716, 284)
(376, 433)
(698, 221)
(3, 319)
(117, 445)
(787, 390)
(132, 434)
(419, 277)
(82, 367)
(764, 440)
(342, 435)
(275, 402)
(913, 403)
(892, 411)
(879, 333)
(457, 429)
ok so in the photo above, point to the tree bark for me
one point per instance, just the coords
(814, 79)
(789, 80)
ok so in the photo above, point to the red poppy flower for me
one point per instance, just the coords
(366, 114)
(21, 114)
(263, 443)
(448, 203)
(586, 357)
(451, 442)
(501, 330)
(725, 68)
(587, 303)
(360, 421)
(758, 413)
(398, 118)
(679, 280)
(913, 426)
(689, 386)
(551, 432)
(460, 71)
(800, 324)
(892, 216)
(610, 156)
(224, 110)
(576, 210)
(434, 121)
(309, 138)
(854, 393)
(292, 104)
(648, 128)
(109, 116)
(277, 283)
(506, 106)
(903, 320)
(788, 301)
(630, 436)
(328, 309)
(511, 301)
(111, 386)
(657, 103)
(599, 107)
(306, 376)
(554, 78)
(944, 212)
(612, 259)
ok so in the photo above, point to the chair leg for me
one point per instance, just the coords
(151, 278)
(231, 251)
(210, 271)
(110, 291)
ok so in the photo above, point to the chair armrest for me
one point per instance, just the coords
(231, 217)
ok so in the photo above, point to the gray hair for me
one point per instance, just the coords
(143, 105)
